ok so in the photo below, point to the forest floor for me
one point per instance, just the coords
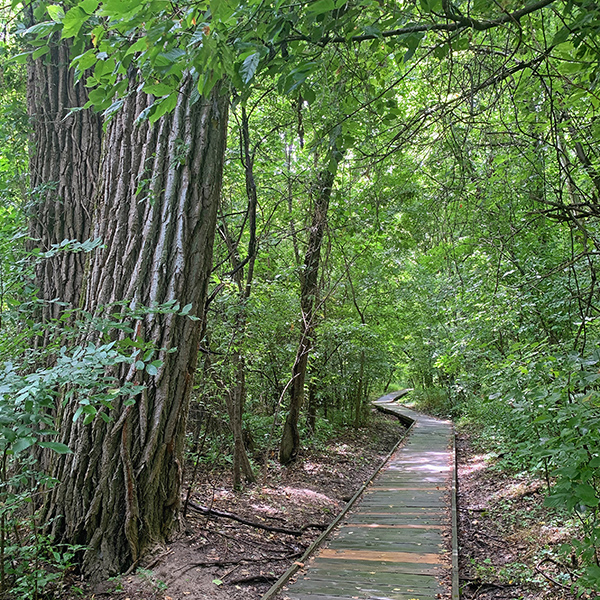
(221, 559)
(506, 535)
(507, 538)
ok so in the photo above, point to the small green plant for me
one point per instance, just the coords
(148, 576)
(118, 581)
(35, 381)
(510, 573)
(37, 568)
(484, 570)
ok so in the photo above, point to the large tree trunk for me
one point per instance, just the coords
(290, 440)
(119, 491)
(64, 165)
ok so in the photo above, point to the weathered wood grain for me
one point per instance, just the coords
(393, 545)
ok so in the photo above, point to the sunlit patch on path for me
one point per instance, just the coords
(393, 545)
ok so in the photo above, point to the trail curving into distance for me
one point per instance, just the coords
(394, 544)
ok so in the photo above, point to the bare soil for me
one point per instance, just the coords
(220, 559)
(507, 537)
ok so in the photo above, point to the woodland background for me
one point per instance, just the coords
(274, 212)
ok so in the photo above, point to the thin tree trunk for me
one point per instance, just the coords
(235, 407)
(358, 409)
(119, 491)
(236, 399)
(290, 440)
(312, 403)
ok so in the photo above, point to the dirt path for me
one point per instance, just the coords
(220, 559)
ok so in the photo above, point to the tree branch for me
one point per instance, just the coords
(460, 22)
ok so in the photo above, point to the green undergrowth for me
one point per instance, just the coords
(541, 417)
(434, 401)
(261, 437)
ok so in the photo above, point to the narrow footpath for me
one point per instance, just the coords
(395, 543)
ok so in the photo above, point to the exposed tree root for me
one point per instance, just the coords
(240, 561)
(253, 579)
(227, 515)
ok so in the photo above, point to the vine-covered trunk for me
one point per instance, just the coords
(64, 165)
(119, 491)
(290, 440)
(236, 397)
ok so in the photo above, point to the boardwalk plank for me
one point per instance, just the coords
(342, 565)
(409, 580)
(392, 545)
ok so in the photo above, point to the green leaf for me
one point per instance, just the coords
(222, 9)
(56, 447)
(164, 106)
(441, 51)
(40, 52)
(22, 444)
(41, 29)
(372, 30)
(321, 6)
(86, 60)
(560, 36)
(593, 573)
(114, 108)
(20, 58)
(57, 14)
(461, 43)
(186, 309)
(308, 94)
(587, 494)
(73, 21)
(140, 46)
(249, 66)
(431, 5)
(77, 414)
(89, 6)
(158, 89)
(151, 370)
(169, 58)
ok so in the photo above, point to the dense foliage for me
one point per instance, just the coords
(460, 247)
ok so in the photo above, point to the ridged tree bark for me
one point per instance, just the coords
(119, 491)
(64, 165)
(290, 439)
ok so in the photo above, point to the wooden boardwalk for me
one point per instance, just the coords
(394, 544)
